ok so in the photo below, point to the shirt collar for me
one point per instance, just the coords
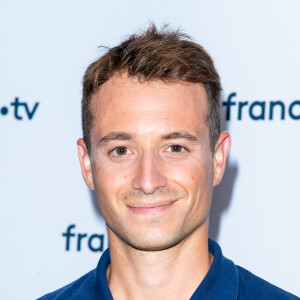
(221, 280)
(101, 285)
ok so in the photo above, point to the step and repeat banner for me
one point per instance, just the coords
(52, 231)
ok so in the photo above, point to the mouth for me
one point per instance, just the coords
(150, 208)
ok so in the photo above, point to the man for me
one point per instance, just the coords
(152, 150)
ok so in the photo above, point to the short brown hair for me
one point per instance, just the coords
(167, 55)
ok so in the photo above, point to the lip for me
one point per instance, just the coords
(150, 208)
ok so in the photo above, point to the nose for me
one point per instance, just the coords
(149, 176)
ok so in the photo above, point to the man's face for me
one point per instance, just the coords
(150, 164)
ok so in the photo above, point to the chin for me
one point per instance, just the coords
(152, 246)
(154, 243)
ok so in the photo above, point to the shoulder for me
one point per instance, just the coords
(92, 285)
(253, 287)
(81, 288)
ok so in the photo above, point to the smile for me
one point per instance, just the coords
(150, 208)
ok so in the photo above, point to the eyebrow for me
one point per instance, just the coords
(180, 135)
(125, 136)
(115, 136)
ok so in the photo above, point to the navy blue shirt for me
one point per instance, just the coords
(223, 281)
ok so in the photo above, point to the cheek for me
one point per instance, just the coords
(109, 181)
(192, 175)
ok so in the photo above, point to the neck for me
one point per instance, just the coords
(174, 273)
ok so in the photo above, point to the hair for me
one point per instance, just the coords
(151, 55)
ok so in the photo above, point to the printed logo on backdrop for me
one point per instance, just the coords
(75, 241)
(259, 110)
(20, 110)
(235, 109)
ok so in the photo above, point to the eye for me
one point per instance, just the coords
(120, 151)
(176, 150)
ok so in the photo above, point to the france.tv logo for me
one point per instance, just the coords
(261, 110)
(20, 109)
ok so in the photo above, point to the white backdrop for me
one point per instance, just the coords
(45, 48)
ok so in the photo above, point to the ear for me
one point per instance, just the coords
(220, 155)
(85, 164)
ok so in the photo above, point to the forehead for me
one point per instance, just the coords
(153, 106)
